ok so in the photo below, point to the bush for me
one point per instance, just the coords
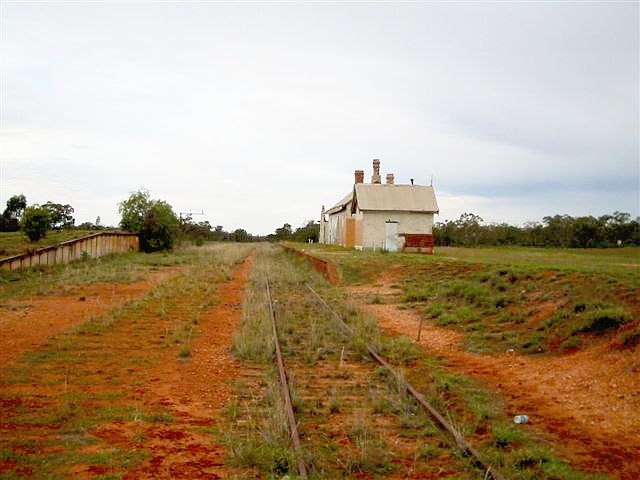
(35, 222)
(133, 210)
(153, 220)
(601, 318)
(159, 228)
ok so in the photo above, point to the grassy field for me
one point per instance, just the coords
(622, 262)
(528, 299)
(14, 243)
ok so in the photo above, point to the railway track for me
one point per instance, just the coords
(440, 419)
(460, 441)
(284, 384)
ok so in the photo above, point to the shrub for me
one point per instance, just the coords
(133, 210)
(599, 319)
(159, 228)
(504, 436)
(35, 222)
(10, 219)
(153, 220)
(418, 294)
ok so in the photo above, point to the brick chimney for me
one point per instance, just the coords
(359, 176)
(389, 178)
(375, 178)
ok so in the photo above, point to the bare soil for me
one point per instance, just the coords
(26, 324)
(132, 361)
(196, 391)
(587, 402)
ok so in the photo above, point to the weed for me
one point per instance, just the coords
(571, 343)
(600, 318)
(400, 350)
(335, 404)
(428, 452)
(504, 436)
(535, 344)
(418, 294)
(372, 456)
(436, 309)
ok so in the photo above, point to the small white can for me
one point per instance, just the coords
(520, 419)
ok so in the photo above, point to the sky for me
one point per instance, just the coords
(258, 114)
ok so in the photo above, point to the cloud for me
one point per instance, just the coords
(259, 114)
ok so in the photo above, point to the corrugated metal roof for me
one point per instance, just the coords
(408, 198)
(341, 204)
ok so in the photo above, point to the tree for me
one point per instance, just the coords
(284, 232)
(199, 231)
(61, 215)
(159, 227)
(91, 226)
(240, 235)
(133, 210)
(311, 231)
(35, 222)
(16, 205)
(558, 230)
(153, 220)
(10, 221)
(218, 234)
(469, 225)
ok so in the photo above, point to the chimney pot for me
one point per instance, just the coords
(375, 178)
(359, 176)
(389, 178)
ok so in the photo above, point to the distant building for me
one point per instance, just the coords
(381, 216)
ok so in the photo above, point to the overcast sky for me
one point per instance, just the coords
(259, 113)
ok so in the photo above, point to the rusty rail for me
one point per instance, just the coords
(284, 384)
(462, 444)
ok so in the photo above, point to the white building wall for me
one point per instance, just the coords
(373, 233)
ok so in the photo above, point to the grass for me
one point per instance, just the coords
(372, 453)
(620, 263)
(601, 318)
(346, 408)
(87, 378)
(529, 300)
(64, 278)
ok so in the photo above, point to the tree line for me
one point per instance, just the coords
(613, 230)
(160, 228)
(153, 220)
(35, 219)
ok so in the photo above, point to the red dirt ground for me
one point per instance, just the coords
(27, 324)
(196, 392)
(587, 402)
(192, 390)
